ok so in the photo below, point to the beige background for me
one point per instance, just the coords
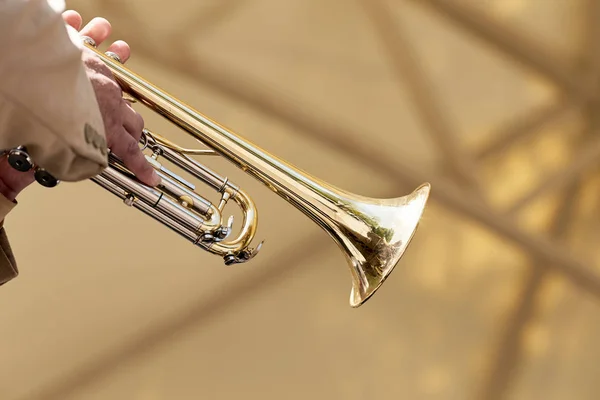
(111, 305)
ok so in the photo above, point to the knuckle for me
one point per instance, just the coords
(140, 121)
(147, 167)
(113, 88)
(106, 86)
(95, 64)
(132, 149)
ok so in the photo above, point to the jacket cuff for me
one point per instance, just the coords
(6, 206)
(8, 264)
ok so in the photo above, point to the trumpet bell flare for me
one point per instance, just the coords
(398, 220)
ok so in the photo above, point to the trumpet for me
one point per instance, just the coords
(372, 233)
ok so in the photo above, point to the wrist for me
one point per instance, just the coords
(7, 200)
(8, 192)
(12, 182)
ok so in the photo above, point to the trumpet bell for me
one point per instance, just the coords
(374, 234)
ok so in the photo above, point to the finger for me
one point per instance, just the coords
(73, 18)
(98, 29)
(132, 121)
(121, 49)
(127, 148)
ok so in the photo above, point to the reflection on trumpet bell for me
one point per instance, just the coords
(373, 235)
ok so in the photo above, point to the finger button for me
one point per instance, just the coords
(89, 41)
(114, 56)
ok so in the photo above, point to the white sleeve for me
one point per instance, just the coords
(47, 103)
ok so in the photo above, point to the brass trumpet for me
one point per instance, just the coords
(372, 233)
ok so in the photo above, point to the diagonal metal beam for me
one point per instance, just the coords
(522, 127)
(508, 355)
(407, 69)
(513, 43)
(590, 63)
(198, 24)
(409, 73)
(586, 159)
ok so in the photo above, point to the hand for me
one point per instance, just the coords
(123, 125)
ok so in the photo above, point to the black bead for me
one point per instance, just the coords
(44, 178)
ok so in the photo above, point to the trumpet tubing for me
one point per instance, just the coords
(372, 233)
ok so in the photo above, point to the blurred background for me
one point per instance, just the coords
(492, 101)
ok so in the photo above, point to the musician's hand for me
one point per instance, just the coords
(122, 123)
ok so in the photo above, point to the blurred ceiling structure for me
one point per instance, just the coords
(495, 102)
